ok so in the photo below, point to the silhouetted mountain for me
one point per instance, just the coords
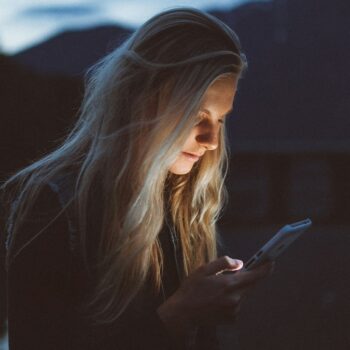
(72, 52)
(36, 111)
(295, 92)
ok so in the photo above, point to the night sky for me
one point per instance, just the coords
(24, 23)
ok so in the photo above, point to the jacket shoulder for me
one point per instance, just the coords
(50, 208)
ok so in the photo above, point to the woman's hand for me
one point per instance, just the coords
(208, 296)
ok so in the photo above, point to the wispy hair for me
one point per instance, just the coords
(141, 102)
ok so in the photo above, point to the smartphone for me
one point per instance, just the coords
(278, 243)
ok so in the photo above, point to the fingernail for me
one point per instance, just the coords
(238, 263)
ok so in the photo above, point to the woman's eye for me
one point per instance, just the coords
(199, 119)
(203, 116)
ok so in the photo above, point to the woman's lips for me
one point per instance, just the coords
(190, 156)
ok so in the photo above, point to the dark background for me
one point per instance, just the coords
(290, 159)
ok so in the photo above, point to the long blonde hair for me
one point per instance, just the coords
(140, 104)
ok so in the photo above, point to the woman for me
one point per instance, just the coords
(111, 238)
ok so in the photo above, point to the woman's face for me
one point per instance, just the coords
(204, 137)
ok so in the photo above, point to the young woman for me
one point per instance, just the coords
(111, 239)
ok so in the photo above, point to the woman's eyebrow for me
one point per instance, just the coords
(224, 115)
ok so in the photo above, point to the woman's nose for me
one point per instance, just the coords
(209, 138)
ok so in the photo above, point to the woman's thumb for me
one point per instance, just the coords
(221, 264)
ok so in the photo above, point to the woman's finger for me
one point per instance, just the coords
(217, 266)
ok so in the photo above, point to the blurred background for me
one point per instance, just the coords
(289, 137)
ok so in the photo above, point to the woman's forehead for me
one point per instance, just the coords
(220, 95)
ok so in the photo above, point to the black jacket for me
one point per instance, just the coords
(47, 282)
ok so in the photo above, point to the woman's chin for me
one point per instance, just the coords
(180, 169)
